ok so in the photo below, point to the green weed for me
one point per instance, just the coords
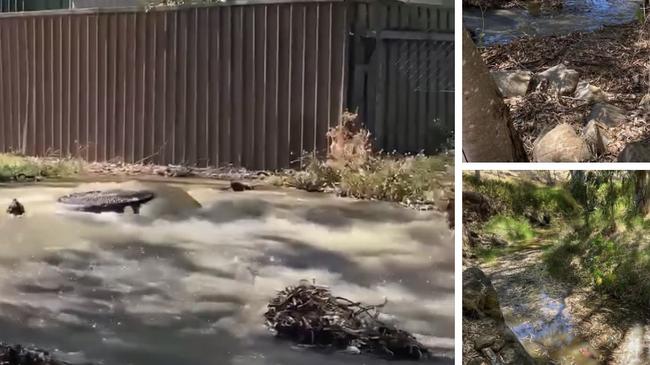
(14, 167)
(514, 230)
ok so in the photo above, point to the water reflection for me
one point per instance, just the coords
(551, 334)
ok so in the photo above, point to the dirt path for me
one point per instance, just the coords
(561, 324)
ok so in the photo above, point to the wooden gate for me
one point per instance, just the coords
(403, 76)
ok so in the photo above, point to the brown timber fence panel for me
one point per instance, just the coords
(248, 85)
(402, 77)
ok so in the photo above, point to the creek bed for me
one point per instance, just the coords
(183, 284)
(505, 25)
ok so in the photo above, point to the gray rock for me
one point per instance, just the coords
(561, 144)
(560, 79)
(486, 338)
(590, 93)
(607, 114)
(498, 344)
(485, 341)
(479, 296)
(494, 358)
(512, 83)
(635, 152)
(597, 137)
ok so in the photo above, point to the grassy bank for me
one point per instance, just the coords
(595, 238)
(609, 249)
(618, 265)
(409, 180)
(19, 168)
(513, 203)
(516, 197)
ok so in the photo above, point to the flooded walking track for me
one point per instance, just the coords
(534, 307)
(559, 323)
(187, 280)
(505, 25)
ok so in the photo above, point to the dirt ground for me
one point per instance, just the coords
(615, 59)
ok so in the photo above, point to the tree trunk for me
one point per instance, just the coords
(641, 192)
(488, 134)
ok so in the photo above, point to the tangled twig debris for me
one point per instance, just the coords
(310, 315)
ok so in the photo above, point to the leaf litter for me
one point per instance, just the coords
(616, 59)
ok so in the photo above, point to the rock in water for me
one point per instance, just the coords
(561, 79)
(635, 152)
(512, 83)
(107, 201)
(237, 186)
(15, 208)
(561, 144)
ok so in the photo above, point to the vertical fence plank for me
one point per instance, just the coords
(272, 87)
(237, 100)
(225, 71)
(190, 141)
(284, 83)
(260, 84)
(297, 88)
(215, 87)
(249, 78)
(311, 73)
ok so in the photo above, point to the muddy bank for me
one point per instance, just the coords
(188, 280)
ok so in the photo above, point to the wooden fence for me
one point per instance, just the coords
(251, 85)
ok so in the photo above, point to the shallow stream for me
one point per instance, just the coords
(534, 306)
(505, 25)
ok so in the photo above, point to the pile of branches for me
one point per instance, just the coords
(310, 315)
(19, 355)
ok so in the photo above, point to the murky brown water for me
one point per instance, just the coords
(187, 285)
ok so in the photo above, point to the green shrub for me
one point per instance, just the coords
(514, 230)
(613, 266)
(411, 179)
(14, 167)
(517, 198)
